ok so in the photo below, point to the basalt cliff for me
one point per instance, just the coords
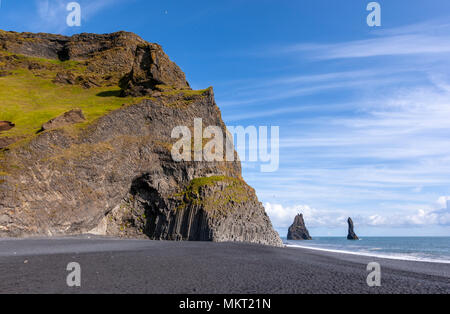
(85, 145)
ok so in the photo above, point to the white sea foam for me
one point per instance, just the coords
(403, 257)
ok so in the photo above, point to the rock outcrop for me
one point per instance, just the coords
(6, 141)
(107, 59)
(151, 67)
(298, 231)
(6, 125)
(71, 117)
(351, 233)
(116, 175)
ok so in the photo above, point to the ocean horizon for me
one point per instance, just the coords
(423, 249)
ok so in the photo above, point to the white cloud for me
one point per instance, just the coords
(283, 88)
(51, 16)
(418, 39)
(420, 218)
(283, 216)
(443, 201)
(92, 8)
(386, 46)
(395, 149)
(372, 141)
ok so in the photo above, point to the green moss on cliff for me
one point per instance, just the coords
(29, 99)
(171, 91)
(189, 93)
(214, 193)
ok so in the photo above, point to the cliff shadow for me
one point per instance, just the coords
(110, 93)
(163, 219)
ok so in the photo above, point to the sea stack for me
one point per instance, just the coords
(298, 231)
(351, 233)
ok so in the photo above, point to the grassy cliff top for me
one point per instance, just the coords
(29, 97)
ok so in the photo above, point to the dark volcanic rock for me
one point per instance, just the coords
(152, 67)
(71, 117)
(64, 78)
(107, 59)
(6, 125)
(6, 141)
(351, 233)
(298, 230)
(71, 79)
(116, 176)
(5, 73)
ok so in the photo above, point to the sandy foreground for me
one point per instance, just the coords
(140, 266)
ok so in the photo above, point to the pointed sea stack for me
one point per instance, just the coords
(351, 233)
(298, 229)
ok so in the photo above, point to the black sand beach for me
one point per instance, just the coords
(135, 266)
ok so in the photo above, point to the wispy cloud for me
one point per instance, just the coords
(419, 39)
(92, 8)
(371, 143)
(282, 88)
(393, 152)
(386, 46)
(409, 124)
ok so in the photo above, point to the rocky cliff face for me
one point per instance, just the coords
(113, 173)
(351, 233)
(298, 231)
(107, 59)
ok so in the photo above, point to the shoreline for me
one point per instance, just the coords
(375, 255)
(285, 245)
(112, 265)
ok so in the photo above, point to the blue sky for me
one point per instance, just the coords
(363, 112)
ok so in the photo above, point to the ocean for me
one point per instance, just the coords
(426, 249)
